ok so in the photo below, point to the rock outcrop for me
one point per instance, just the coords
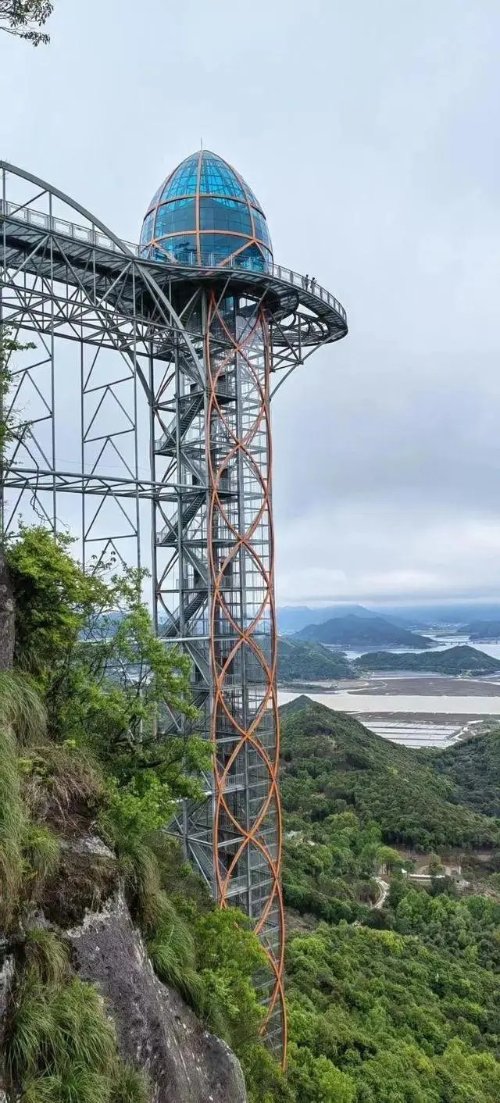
(156, 1030)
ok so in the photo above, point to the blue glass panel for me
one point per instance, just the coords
(218, 179)
(147, 228)
(215, 215)
(172, 217)
(236, 204)
(182, 248)
(251, 258)
(184, 180)
(254, 202)
(176, 203)
(215, 248)
(261, 230)
(156, 197)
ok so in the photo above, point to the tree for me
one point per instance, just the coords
(23, 17)
(435, 865)
(88, 645)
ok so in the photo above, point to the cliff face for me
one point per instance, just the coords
(83, 903)
(156, 1031)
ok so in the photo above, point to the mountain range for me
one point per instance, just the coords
(355, 631)
(482, 630)
(291, 618)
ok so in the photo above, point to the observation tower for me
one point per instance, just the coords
(146, 407)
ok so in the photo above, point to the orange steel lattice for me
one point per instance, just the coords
(247, 830)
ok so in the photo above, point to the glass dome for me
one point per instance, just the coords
(205, 213)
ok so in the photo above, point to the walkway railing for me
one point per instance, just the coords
(91, 236)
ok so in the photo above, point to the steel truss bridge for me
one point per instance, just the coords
(143, 426)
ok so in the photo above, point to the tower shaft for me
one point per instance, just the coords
(217, 600)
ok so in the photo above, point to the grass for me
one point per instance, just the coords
(45, 957)
(60, 1046)
(23, 720)
(169, 941)
(41, 849)
(141, 874)
(76, 1086)
(131, 1086)
(63, 784)
(21, 707)
(12, 823)
(172, 952)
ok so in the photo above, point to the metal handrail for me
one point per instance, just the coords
(96, 237)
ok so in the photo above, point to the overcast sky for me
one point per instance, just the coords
(369, 132)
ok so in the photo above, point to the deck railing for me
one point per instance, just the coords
(92, 236)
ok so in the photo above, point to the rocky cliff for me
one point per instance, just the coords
(156, 1030)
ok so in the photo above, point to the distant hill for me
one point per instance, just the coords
(448, 614)
(473, 765)
(332, 763)
(354, 631)
(291, 618)
(301, 661)
(455, 660)
(482, 630)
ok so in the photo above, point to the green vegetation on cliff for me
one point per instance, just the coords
(395, 1005)
(454, 660)
(80, 751)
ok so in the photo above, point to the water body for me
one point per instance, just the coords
(441, 643)
(414, 719)
(424, 710)
(489, 647)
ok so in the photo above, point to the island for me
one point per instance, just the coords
(300, 661)
(459, 660)
(356, 631)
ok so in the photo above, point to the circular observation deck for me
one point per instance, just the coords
(297, 303)
(205, 226)
(86, 254)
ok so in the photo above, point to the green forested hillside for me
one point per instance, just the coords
(397, 1005)
(331, 763)
(301, 661)
(473, 766)
(454, 660)
(400, 1018)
